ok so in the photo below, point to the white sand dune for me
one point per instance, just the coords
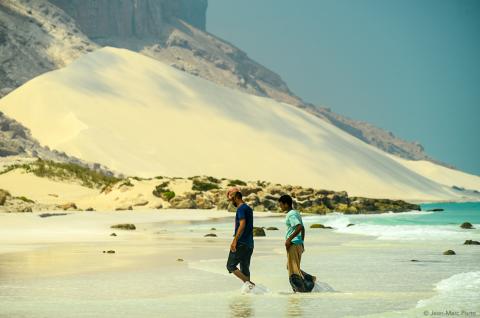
(141, 117)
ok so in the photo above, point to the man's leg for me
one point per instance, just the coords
(240, 275)
(305, 275)
(294, 255)
(245, 262)
(234, 258)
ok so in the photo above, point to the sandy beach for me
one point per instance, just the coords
(55, 266)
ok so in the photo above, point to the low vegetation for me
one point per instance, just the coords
(66, 172)
(204, 186)
(162, 191)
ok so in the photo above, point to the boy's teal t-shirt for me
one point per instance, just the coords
(293, 219)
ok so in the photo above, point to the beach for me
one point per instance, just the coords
(55, 266)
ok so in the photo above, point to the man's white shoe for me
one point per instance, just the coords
(247, 288)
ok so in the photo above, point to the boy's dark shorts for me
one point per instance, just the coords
(241, 256)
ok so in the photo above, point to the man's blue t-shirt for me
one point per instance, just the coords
(245, 212)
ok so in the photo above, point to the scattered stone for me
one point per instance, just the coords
(351, 224)
(213, 229)
(90, 209)
(414, 260)
(141, 203)
(126, 226)
(435, 210)
(258, 231)
(113, 234)
(210, 235)
(26, 209)
(46, 215)
(449, 252)
(53, 195)
(320, 226)
(3, 196)
(467, 225)
(471, 242)
(272, 228)
(124, 208)
(179, 259)
(183, 202)
(67, 206)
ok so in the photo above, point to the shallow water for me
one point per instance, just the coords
(372, 275)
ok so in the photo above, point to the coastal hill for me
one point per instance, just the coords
(141, 117)
(40, 36)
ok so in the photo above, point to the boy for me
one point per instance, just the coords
(294, 238)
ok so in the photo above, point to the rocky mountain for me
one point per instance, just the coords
(37, 36)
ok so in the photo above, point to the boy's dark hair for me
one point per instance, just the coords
(286, 199)
(238, 195)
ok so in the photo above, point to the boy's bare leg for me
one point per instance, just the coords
(242, 276)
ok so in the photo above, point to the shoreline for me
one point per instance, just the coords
(359, 267)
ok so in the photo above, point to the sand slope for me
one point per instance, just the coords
(141, 117)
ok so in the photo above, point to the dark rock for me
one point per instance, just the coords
(179, 259)
(183, 202)
(90, 209)
(203, 203)
(272, 228)
(26, 209)
(318, 209)
(414, 260)
(46, 215)
(471, 242)
(435, 210)
(126, 226)
(269, 205)
(213, 229)
(113, 234)
(3, 196)
(467, 225)
(258, 231)
(210, 235)
(449, 252)
(351, 224)
(141, 203)
(67, 206)
(320, 226)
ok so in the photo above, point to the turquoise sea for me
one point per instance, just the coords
(415, 225)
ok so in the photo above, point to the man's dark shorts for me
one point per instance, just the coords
(241, 256)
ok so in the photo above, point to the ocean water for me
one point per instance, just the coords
(414, 226)
(367, 268)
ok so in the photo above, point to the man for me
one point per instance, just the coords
(294, 238)
(241, 248)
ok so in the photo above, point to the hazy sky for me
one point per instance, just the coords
(410, 66)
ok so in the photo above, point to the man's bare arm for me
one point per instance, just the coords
(241, 228)
(299, 228)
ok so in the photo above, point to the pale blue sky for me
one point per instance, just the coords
(410, 66)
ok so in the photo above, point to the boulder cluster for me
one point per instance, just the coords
(263, 196)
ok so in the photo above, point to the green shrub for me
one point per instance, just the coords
(127, 183)
(24, 199)
(168, 195)
(236, 182)
(204, 186)
(160, 189)
(213, 180)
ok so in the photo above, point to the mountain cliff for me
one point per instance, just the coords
(37, 36)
